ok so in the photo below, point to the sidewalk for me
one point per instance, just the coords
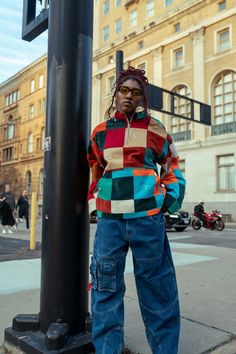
(207, 288)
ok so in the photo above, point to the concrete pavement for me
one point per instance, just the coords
(207, 288)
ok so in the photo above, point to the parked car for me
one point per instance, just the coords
(179, 221)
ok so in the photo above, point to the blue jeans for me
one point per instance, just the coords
(155, 282)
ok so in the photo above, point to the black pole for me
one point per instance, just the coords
(65, 231)
(119, 62)
(62, 321)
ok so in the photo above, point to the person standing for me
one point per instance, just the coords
(23, 208)
(7, 200)
(130, 196)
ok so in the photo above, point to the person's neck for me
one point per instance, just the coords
(129, 115)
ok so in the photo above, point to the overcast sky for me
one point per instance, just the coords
(16, 53)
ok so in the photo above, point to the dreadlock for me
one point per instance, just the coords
(133, 74)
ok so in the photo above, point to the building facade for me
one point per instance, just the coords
(22, 121)
(187, 46)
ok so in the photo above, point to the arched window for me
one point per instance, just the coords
(10, 128)
(183, 107)
(30, 142)
(28, 182)
(41, 173)
(224, 97)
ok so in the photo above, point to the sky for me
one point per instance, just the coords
(15, 53)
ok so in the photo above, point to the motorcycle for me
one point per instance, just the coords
(213, 221)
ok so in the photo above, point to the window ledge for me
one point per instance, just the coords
(128, 3)
(10, 107)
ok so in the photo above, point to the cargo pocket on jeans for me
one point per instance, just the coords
(106, 275)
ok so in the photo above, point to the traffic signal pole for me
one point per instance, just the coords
(62, 320)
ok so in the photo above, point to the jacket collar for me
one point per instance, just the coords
(137, 115)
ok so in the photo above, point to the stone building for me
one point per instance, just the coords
(22, 120)
(187, 46)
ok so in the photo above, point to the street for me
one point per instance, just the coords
(16, 246)
(204, 262)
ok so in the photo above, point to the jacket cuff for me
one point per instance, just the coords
(92, 205)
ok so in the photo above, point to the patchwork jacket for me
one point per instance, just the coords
(126, 181)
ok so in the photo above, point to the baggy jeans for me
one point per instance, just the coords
(155, 282)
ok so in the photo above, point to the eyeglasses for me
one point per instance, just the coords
(124, 90)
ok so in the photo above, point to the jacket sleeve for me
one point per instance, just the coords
(173, 181)
(96, 168)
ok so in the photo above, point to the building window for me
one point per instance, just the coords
(42, 104)
(223, 40)
(111, 59)
(222, 5)
(168, 2)
(41, 173)
(133, 16)
(182, 107)
(31, 111)
(224, 91)
(10, 128)
(150, 8)
(12, 97)
(118, 3)
(111, 83)
(178, 58)
(226, 173)
(28, 182)
(41, 81)
(118, 26)
(30, 143)
(140, 44)
(105, 33)
(106, 7)
(42, 137)
(8, 154)
(32, 86)
(177, 27)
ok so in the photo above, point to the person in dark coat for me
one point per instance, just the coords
(199, 211)
(7, 206)
(23, 205)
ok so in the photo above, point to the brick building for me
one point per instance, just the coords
(22, 120)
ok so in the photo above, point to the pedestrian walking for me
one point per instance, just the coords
(7, 207)
(23, 208)
(130, 195)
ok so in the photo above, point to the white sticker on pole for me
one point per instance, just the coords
(47, 143)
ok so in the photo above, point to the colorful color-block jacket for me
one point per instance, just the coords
(124, 158)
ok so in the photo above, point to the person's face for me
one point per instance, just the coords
(128, 101)
(24, 193)
(7, 188)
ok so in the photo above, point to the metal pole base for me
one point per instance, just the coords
(26, 336)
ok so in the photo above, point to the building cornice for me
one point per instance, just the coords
(15, 80)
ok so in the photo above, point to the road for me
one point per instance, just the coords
(225, 238)
(16, 246)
